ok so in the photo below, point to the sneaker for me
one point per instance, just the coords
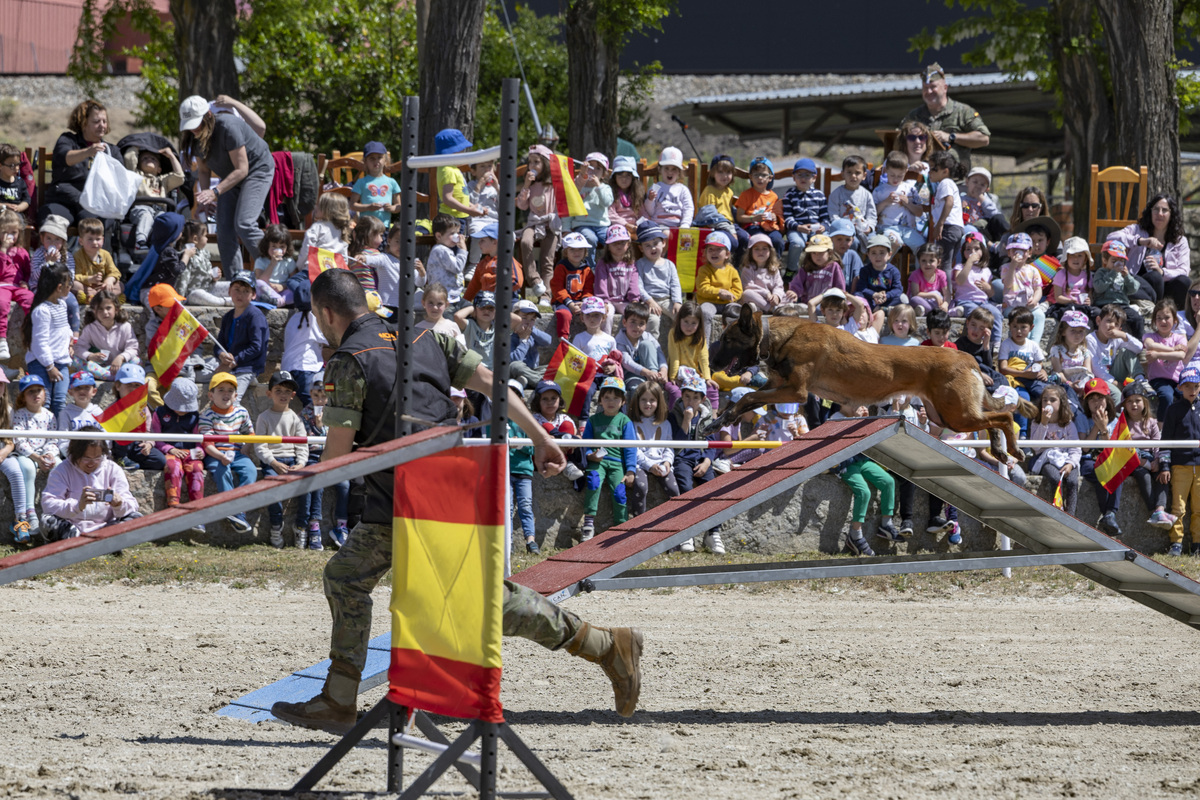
(276, 534)
(20, 532)
(937, 525)
(1176, 549)
(858, 545)
(240, 525)
(887, 530)
(687, 546)
(314, 536)
(338, 536)
(721, 466)
(955, 537)
(1161, 519)
(1108, 524)
(4, 353)
(31, 517)
(572, 472)
(299, 535)
(197, 529)
(130, 466)
(906, 528)
(712, 540)
(587, 531)
(531, 546)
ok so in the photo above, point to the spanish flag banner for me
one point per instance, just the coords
(127, 415)
(1058, 498)
(573, 370)
(685, 247)
(566, 194)
(448, 583)
(178, 334)
(1115, 464)
(320, 260)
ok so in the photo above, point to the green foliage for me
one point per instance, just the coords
(89, 66)
(633, 113)
(617, 20)
(539, 40)
(159, 96)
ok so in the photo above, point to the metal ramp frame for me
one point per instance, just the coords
(1051, 536)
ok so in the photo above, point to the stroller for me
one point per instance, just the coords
(131, 147)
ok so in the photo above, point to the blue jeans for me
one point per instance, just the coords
(797, 241)
(910, 238)
(595, 237)
(56, 391)
(73, 312)
(154, 460)
(275, 510)
(310, 505)
(997, 318)
(522, 492)
(242, 469)
(1165, 387)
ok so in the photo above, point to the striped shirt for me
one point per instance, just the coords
(234, 421)
(38, 260)
(805, 208)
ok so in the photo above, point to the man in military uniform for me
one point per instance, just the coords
(359, 379)
(953, 124)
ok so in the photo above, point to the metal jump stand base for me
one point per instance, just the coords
(487, 733)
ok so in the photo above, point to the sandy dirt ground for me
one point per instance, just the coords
(779, 692)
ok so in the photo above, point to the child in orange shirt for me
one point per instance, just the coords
(573, 281)
(758, 209)
(484, 279)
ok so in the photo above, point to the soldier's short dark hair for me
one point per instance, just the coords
(339, 291)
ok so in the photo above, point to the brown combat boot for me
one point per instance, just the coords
(334, 710)
(619, 653)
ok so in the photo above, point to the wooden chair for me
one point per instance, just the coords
(1117, 197)
(691, 176)
(344, 170)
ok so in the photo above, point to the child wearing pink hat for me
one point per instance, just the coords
(762, 278)
(616, 279)
(592, 181)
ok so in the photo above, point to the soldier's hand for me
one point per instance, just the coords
(548, 458)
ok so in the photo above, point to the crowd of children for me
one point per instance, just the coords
(606, 279)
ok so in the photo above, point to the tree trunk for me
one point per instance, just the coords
(204, 34)
(594, 67)
(422, 24)
(1139, 38)
(1087, 123)
(450, 68)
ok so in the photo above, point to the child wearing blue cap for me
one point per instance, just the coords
(613, 467)
(483, 279)
(376, 194)
(33, 455)
(658, 279)
(135, 455)
(81, 410)
(805, 211)
(759, 209)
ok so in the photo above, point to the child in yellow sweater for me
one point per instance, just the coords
(687, 347)
(719, 194)
(718, 284)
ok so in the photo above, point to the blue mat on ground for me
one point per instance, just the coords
(305, 683)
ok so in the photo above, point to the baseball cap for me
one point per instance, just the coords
(131, 373)
(818, 244)
(671, 157)
(981, 171)
(1189, 375)
(33, 380)
(1019, 241)
(1075, 319)
(1140, 386)
(613, 383)
(616, 233)
(647, 230)
(244, 277)
(547, 386)
(54, 224)
(489, 231)
(1073, 245)
(879, 240)
(191, 112)
(374, 148)
(718, 239)
(450, 140)
(281, 377)
(696, 384)
(575, 239)
(220, 377)
(759, 238)
(1100, 386)
(624, 164)
(740, 392)
(603, 159)
(457, 392)
(82, 378)
(163, 294)
(805, 164)
(1115, 248)
(526, 307)
(593, 305)
(841, 227)
(833, 292)
(183, 397)
(485, 300)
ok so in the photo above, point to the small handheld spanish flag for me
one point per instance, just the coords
(320, 260)
(573, 370)
(178, 335)
(1115, 464)
(566, 194)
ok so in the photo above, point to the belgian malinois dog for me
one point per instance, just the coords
(803, 356)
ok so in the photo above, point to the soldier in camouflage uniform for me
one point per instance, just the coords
(358, 379)
(956, 125)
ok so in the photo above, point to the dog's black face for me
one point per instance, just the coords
(738, 346)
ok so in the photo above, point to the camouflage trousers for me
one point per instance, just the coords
(353, 571)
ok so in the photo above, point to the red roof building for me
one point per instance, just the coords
(37, 36)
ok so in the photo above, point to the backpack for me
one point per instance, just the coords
(301, 288)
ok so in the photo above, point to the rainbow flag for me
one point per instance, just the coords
(127, 415)
(1047, 267)
(566, 194)
(178, 334)
(448, 583)
(573, 370)
(320, 260)
(1116, 464)
(685, 246)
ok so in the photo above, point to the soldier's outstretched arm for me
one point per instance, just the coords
(547, 457)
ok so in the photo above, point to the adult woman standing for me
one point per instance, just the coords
(1159, 254)
(72, 161)
(225, 145)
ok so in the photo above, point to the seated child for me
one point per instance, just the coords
(927, 286)
(330, 229)
(1071, 287)
(107, 341)
(758, 208)
(690, 417)
(648, 408)
(274, 265)
(14, 193)
(243, 336)
(135, 455)
(1022, 361)
(476, 323)
(718, 285)
(364, 257)
(616, 278)
(898, 205)
(976, 341)
(180, 413)
(1060, 465)
(1136, 404)
(80, 411)
(33, 455)
(805, 211)
(94, 266)
(614, 467)
(161, 174)
(658, 279)
(547, 407)
(226, 462)
(901, 321)
(484, 278)
(852, 201)
(980, 213)
(669, 202)
(573, 281)
(878, 282)
(937, 327)
(973, 282)
(542, 224)
(1070, 362)
(280, 459)
(53, 236)
(820, 270)
(597, 196)
(526, 339)
(849, 313)
(841, 234)
(1182, 467)
(1022, 284)
(14, 274)
(762, 280)
(719, 195)
(201, 283)
(628, 193)
(1114, 285)
(1166, 350)
(783, 423)
(434, 301)
(687, 347)
(642, 358)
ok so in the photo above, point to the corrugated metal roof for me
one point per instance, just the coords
(906, 85)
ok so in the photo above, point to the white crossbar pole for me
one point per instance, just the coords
(455, 159)
(417, 743)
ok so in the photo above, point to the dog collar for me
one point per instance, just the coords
(764, 344)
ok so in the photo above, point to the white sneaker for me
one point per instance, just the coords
(712, 540)
(687, 546)
(277, 537)
(4, 353)
(572, 472)
(721, 465)
(300, 534)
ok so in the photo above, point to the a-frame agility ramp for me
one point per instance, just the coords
(1049, 535)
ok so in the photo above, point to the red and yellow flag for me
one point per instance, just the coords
(1115, 464)
(1058, 497)
(685, 246)
(448, 583)
(566, 194)
(573, 370)
(320, 260)
(127, 415)
(177, 336)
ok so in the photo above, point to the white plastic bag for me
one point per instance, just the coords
(110, 189)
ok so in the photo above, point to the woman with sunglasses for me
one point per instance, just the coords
(1159, 255)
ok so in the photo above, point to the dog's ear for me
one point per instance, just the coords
(746, 319)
